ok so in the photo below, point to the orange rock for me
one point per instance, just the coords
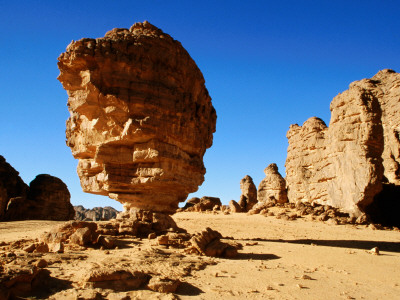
(141, 117)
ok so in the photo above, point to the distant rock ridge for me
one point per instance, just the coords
(46, 198)
(345, 165)
(141, 117)
(95, 214)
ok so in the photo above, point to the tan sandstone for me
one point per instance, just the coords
(343, 165)
(249, 193)
(141, 117)
(273, 187)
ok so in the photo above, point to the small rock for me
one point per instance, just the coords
(42, 248)
(42, 263)
(163, 284)
(306, 277)
(152, 236)
(30, 248)
(375, 251)
(163, 240)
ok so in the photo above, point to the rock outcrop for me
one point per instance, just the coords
(46, 198)
(141, 117)
(11, 186)
(344, 165)
(95, 214)
(273, 187)
(203, 204)
(249, 193)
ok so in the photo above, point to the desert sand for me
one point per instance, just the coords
(280, 259)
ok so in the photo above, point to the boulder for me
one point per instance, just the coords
(249, 193)
(273, 187)
(141, 117)
(344, 165)
(206, 203)
(235, 207)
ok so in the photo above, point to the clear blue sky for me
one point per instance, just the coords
(267, 64)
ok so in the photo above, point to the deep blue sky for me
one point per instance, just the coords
(266, 64)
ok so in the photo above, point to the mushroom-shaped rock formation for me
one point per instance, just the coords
(273, 187)
(141, 117)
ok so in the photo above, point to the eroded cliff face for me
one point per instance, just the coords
(344, 165)
(141, 117)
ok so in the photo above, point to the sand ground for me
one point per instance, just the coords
(280, 259)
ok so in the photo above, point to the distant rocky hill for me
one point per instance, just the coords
(95, 214)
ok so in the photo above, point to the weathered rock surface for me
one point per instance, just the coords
(235, 207)
(46, 198)
(343, 165)
(249, 193)
(11, 185)
(95, 214)
(273, 187)
(141, 117)
(204, 204)
(208, 242)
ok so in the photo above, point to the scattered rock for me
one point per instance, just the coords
(114, 279)
(207, 242)
(163, 284)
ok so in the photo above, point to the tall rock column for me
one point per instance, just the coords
(141, 117)
(249, 193)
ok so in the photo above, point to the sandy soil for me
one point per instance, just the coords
(280, 259)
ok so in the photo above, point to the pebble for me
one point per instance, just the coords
(375, 251)
(306, 277)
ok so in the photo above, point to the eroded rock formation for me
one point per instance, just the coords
(11, 186)
(273, 187)
(95, 214)
(249, 193)
(46, 198)
(141, 117)
(344, 165)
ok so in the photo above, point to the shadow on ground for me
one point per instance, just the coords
(355, 244)
(187, 289)
(255, 256)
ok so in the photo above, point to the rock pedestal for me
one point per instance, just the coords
(141, 117)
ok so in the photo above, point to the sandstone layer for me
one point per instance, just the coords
(344, 165)
(141, 117)
(273, 187)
